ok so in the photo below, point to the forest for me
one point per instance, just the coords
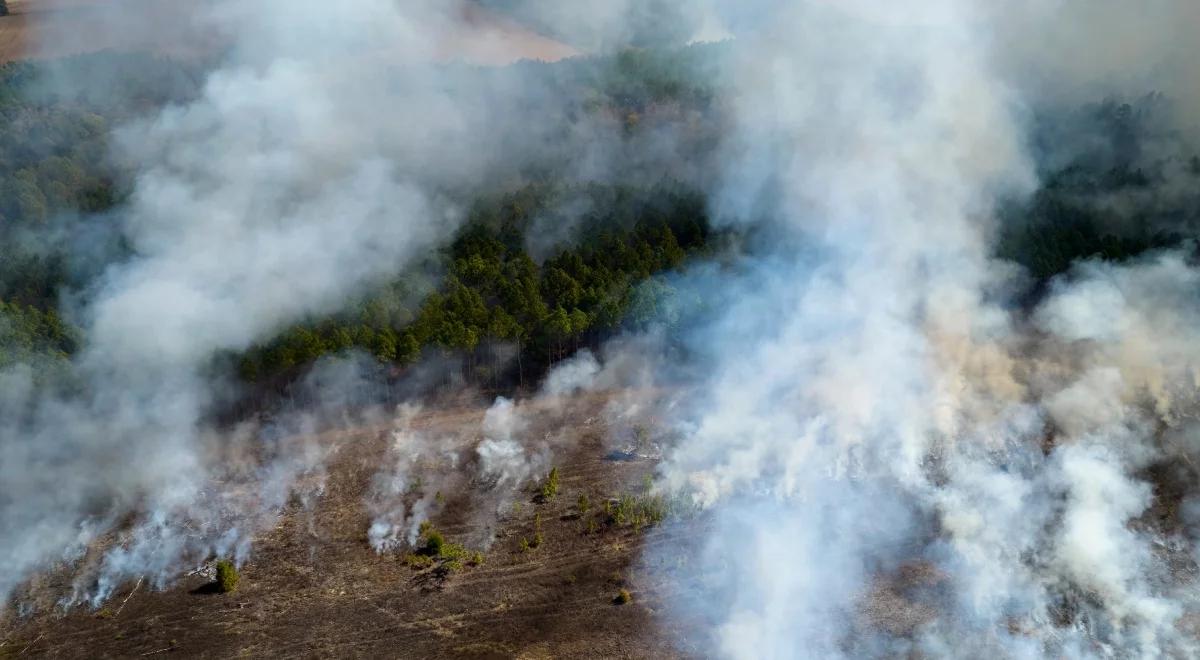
(497, 290)
(493, 291)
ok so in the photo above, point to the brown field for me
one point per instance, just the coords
(314, 587)
(55, 28)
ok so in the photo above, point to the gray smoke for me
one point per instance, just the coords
(896, 458)
(320, 157)
(490, 466)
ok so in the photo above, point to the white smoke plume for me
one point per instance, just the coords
(320, 156)
(491, 467)
(880, 406)
(516, 444)
(897, 456)
(251, 210)
(506, 457)
(405, 493)
(576, 373)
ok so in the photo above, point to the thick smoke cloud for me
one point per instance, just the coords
(897, 455)
(322, 155)
(252, 209)
(880, 404)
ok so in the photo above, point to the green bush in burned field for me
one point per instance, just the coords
(227, 576)
(550, 486)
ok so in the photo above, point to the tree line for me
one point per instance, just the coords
(494, 292)
(537, 270)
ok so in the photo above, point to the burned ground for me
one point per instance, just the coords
(314, 586)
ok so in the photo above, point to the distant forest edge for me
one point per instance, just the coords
(1112, 188)
(493, 292)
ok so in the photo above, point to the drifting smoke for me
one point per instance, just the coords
(503, 459)
(425, 467)
(507, 455)
(251, 211)
(406, 492)
(517, 443)
(899, 454)
(881, 406)
(319, 158)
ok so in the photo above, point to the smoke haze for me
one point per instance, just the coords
(901, 449)
(318, 158)
(880, 402)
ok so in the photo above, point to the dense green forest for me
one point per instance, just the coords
(1113, 185)
(27, 332)
(498, 288)
(59, 180)
(493, 291)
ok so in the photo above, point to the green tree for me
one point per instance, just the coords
(550, 485)
(227, 576)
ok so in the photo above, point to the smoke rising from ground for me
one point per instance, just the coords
(320, 157)
(897, 453)
(514, 447)
(251, 210)
(880, 404)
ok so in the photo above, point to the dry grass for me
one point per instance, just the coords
(314, 588)
(54, 28)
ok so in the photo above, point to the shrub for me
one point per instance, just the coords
(524, 544)
(227, 576)
(637, 511)
(417, 561)
(584, 504)
(453, 551)
(537, 540)
(434, 541)
(550, 486)
(623, 597)
(476, 558)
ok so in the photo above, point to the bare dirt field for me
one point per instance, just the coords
(56, 28)
(315, 588)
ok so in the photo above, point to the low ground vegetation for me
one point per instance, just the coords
(435, 551)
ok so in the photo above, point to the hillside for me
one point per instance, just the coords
(57, 28)
(47, 29)
(531, 329)
(316, 588)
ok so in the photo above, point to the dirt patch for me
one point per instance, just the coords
(57, 28)
(315, 588)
